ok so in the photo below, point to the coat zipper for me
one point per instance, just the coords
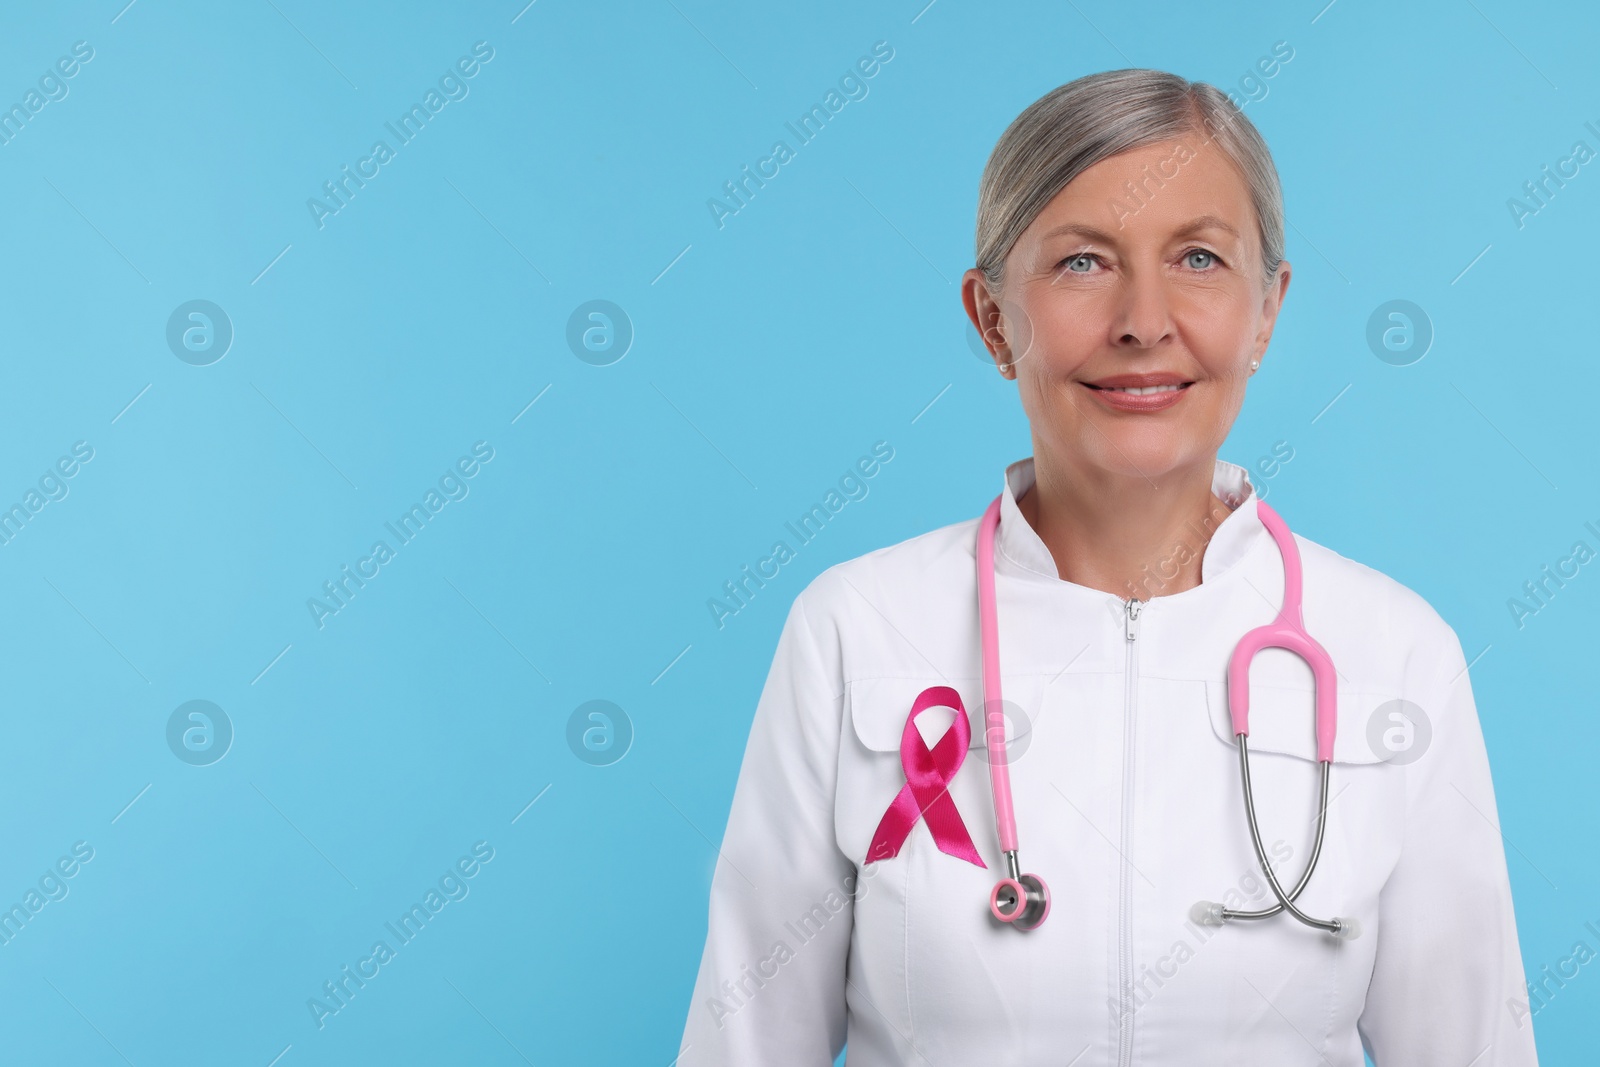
(1130, 629)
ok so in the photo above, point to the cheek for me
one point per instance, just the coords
(1226, 397)
(1062, 333)
(1219, 324)
(1220, 336)
(1218, 331)
(1220, 398)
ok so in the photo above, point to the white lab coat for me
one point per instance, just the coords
(1128, 803)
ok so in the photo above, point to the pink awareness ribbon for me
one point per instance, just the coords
(926, 792)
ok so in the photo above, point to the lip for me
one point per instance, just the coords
(1103, 390)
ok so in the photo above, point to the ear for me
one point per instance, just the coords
(984, 310)
(1271, 304)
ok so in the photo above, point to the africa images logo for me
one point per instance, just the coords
(452, 486)
(452, 86)
(852, 485)
(452, 886)
(852, 85)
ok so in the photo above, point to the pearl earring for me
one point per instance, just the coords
(1254, 363)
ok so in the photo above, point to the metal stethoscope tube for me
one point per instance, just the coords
(1216, 914)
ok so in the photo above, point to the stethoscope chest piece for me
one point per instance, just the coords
(1023, 900)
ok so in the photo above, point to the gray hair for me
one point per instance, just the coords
(1089, 119)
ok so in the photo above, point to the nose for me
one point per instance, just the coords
(1142, 316)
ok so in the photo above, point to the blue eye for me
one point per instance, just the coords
(1200, 252)
(1081, 256)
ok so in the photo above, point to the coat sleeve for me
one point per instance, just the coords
(1447, 984)
(771, 985)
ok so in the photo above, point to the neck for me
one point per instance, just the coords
(1125, 536)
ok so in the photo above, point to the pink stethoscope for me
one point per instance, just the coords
(1023, 900)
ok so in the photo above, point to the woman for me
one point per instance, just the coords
(1129, 274)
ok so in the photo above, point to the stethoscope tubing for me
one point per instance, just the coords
(994, 720)
(1020, 899)
(1023, 900)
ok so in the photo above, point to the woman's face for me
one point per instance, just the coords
(1104, 291)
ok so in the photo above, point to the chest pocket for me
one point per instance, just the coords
(1282, 715)
(1282, 721)
(870, 771)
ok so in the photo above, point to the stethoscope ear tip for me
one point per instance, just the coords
(1349, 929)
(1206, 913)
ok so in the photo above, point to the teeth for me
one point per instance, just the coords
(1147, 390)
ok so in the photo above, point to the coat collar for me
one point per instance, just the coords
(1019, 545)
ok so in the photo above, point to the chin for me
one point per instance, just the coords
(1139, 455)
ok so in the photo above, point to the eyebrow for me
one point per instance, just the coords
(1193, 226)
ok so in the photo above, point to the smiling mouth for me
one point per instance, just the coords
(1140, 390)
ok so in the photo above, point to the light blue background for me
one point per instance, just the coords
(769, 354)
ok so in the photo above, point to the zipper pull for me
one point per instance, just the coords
(1131, 623)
